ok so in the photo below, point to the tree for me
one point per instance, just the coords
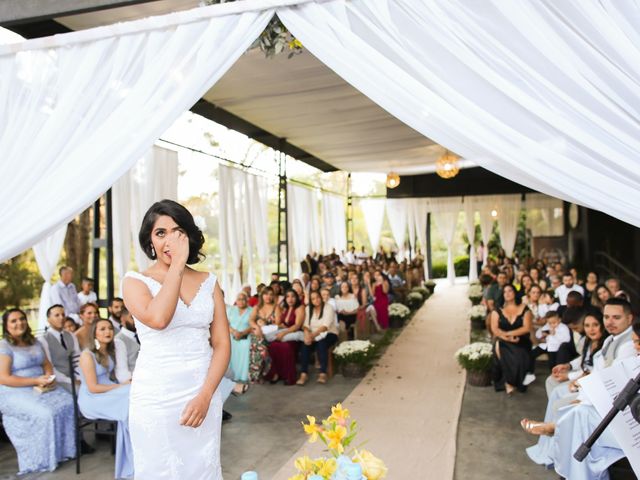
(76, 245)
(20, 281)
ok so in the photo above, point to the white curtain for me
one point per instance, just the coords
(231, 226)
(541, 92)
(47, 253)
(420, 211)
(303, 225)
(373, 211)
(544, 215)
(259, 203)
(79, 109)
(470, 226)
(334, 223)
(445, 213)
(486, 205)
(397, 214)
(509, 207)
(122, 228)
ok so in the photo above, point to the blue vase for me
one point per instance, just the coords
(249, 476)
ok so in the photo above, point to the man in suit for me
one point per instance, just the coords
(127, 346)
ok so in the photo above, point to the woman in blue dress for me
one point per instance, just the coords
(240, 329)
(101, 397)
(39, 425)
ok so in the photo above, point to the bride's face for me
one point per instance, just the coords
(160, 234)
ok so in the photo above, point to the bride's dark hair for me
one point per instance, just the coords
(182, 217)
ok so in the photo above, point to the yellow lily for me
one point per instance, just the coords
(326, 468)
(304, 464)
(334, 438)
(312, 429)
(338, 414)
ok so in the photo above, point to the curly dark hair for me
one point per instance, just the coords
(27, 336)
(183, 218)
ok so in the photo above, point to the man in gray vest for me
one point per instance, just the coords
(59, 345)
(127, 347)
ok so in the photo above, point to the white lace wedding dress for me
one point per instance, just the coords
(170, 370)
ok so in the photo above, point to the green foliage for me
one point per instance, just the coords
(20, 282)
(415, 300)
(461, 266)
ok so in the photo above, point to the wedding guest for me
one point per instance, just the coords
(86, 293)
(613, 284)
(263, 315)
(255, 299)
(330, 283)
(568, 285)
(511, 325)
(101, 397)
(40, 427)
(590, 286)
(532, 301)
(534, 273)
(127, 345)
(64, 293)
(314, 285)
(299, 288)
(329, 300)
(493, 295)
(602, 294)
(70, 325)
(546, 304)
(320, 334)
(283, 350)
(381, 299)
(552, 336)
(347, 308)
(58, 345)
(368, 301)
(526, 283)
(115, 309)
(88, 315)
(239, 328)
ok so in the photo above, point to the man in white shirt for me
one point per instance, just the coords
(567, 286)
(350, 256)
(64, 293)
(127, 346)
(86, 293)
(115, 310)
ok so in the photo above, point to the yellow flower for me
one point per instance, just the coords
(295, 43)
(304, 464)
(326, 467)
(299, 476)
(338, 414)
(334, 438)
(372, 468)
(312, 429)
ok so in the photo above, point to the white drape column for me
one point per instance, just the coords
(485, 205)
(470, 225)
(509, 207)
(397, 214)
(47, 253)
(334, 226)
(373, 211)
(259, 204)
(420, 211)
(445, 213)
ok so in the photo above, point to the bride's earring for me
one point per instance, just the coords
(153, 252)
(97, 344)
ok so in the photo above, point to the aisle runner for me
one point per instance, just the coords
(408, 406)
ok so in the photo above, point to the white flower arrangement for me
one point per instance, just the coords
(475, 291)
(354, 351)
(399, 310)
(415, 300)
(475, 356)
(478, 312)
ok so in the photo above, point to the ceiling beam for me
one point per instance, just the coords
(17, 12)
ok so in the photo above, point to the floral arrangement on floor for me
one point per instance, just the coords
(430, 285)
(422, 291)
(475, 293)
(354, 351)
(475, 357)
(478, 313)
(337, 432)
(398, 310)
(414, 300)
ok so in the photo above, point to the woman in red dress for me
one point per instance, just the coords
(284, 349)
(381, 302)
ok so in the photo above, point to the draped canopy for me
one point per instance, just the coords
(544, 93)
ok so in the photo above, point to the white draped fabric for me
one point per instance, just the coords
(47, 253)
(485, 205)
(544, 215)
(398, 214)
(334, 223)
(122, 228)
(420, 211)
(79, 109)
(373, 211)
(470, 226)
(303, 225)
(445, 213)
(259, 203)
(509, 207)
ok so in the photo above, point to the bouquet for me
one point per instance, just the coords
(337, 433)
(475, 357)
(475, 294)
(398, 310)
(354, 351)
(478, 313)
(414, 300)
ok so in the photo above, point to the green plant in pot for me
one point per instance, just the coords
(398, 313)
(476, 358)
(414, 300)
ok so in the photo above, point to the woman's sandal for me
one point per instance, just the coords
(243, 390)
(322, 378)
(303, 379)
(536, 428)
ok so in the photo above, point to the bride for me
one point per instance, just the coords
(175, 409)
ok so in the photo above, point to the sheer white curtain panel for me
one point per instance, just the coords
(470, 226)
(522, 88)
(544, 215)
(509, 207)
(373, 212)
(334, 227)
(80, 108)
(121, 224)
(485, 206)
(397, 214)
(259, 204)
(420, 211)
(445, 214)
(303, 225)
(47, 253)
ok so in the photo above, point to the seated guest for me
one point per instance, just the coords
(88, 315)
(58, 345)
(552, 336)
(367, 301)
(64, 293)
(397, 283)
(511, 325)
(320, 334)
(347, 308)
(239, 328)
(127, 346)
(602, 294)
(546, 304)
(590, 286)
(115, 309)
(101, 397)
(613, 284)
(493, 296)
(255, 299)
(531, 300)
(299, 288)
(263, 315)
(70, 325)
(330, 283)
(40, 427)
(283, 350)
(381, 289)
(86, 293)
(568, 285)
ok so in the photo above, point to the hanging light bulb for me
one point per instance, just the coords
(393, 180)
(494, 213)
(447, 165)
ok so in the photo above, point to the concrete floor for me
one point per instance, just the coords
(263, 433)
